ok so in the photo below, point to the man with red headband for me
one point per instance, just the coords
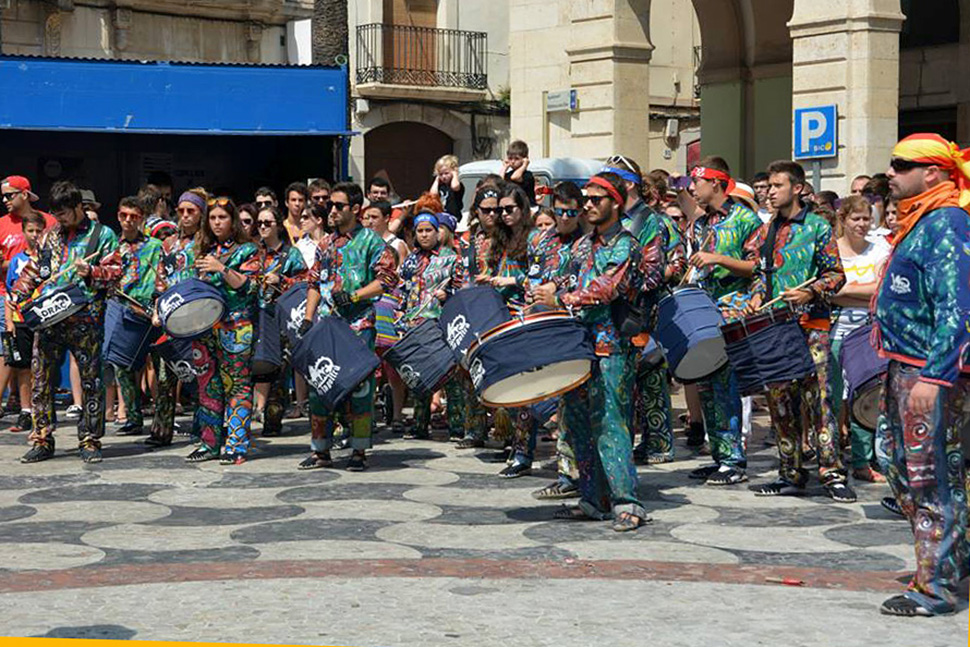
(605, 263)
(720, 235)
(922, 323)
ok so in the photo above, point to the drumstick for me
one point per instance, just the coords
(690, 271)
(777, 299)
(403, 205)
(140, 308)
(426, 303)
(60, 274)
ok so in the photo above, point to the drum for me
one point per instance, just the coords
(530, 359)
(190, 308)
(422, 358)
(54, 306)
(291, 311)
(767, 348)
(469, 314)
(864, 373)
(127, 337)
(333, 360)
(689, 332)
(267, 349)
(177, 355)
(651, 357)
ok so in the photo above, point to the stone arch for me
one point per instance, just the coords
(405, 152)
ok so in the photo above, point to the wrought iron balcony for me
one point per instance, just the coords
(422, 57)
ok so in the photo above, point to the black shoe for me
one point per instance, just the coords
(414, 434)
(890, 503)
(316, 460)
(727, 475)
(703, 473)
(153, 441)
(900, 605)
(90, 452)
(131, 429)
(840, 492)
(515, 470)
(695, 435)
(25, 421)
(39, 452)
(357, 462)
(780, 487)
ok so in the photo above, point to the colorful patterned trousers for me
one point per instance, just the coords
(526, 422)
(652, 411)
(82, 336)
(721, 404)
(797, 410)
(128, 383)
(475, 414)
(456, 408)
(597, 415)
(357, 411)
(163, 422)
(222, 362)
(923, 460)
(863, 452)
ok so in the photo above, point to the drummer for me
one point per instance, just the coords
(606, 265)
(226, 259)
(281, 266)
(798, 408)
(429, 275)
(719, 264)
(130, 270)
(67, 252)
(176, 263)
(352, 269)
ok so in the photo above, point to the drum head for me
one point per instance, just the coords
(703, 359)
(540, 384)
(194, 317)
(865, 405)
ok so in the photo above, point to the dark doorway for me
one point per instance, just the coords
(405, 152)
(942, 121)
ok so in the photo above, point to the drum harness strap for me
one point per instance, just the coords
(767, 254)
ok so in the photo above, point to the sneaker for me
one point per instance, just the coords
(232, 459)
(39, 452)
(703, 473)
(557, 490)
(13, 406)
(90, 452)
(890, 503)
(727, 475)
(515, 470)
(130, 429)
(73, 412)
(840, 492)
(781, 487)
(357, 462)
(25, 422)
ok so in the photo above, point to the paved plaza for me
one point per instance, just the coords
(429, 547)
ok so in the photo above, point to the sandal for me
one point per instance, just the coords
(726, 475)
(890, 503)
(316, 460)
(574, 513)
(470, 443)
(868, 475)
(627, 522)
(900, 605)
(516, 470)
(153, 441)
(201, 455)
(557, 490)
(840, 492)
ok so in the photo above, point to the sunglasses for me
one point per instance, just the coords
(902, 166)
(264, 203)
(218, 202)
(339, 206)
(596, 199)
(10, 196)
(266, 223)
(616, 160)
(320, 199)
(507, 209)
(566, 213)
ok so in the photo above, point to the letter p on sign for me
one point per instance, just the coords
(815, 132)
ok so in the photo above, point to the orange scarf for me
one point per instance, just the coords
(910, 210)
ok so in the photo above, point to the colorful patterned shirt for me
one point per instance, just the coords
(176, 262)
(244, 259)
(675, 250)
(606, 269)
(554, 253)
(804, 249)
(652, 236)
(727, 231)
(131, 267)
(349, 262)
(285, 261)
(922, 306)
(424, 272)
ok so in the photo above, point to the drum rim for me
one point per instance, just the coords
(524, 403)
(515, 323)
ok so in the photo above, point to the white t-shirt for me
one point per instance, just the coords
(308, 248)
(858, 269)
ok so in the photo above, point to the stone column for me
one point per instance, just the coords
(846, 52)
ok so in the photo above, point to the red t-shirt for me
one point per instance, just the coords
(12, 240)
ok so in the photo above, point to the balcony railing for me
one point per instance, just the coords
(422, 56)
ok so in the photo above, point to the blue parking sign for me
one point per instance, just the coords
(816, 132)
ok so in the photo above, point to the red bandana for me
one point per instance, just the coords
(713, 174)
(603, 183)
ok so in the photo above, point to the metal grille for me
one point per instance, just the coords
(422, 56)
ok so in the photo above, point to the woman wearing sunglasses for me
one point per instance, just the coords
(223, 355)
(507, 257)
(281, 265)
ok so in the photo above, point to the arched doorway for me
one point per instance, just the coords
(405, 152)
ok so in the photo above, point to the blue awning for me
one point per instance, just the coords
(158, 97)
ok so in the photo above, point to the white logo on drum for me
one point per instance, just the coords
(457, 329)
(900, 284)
(183, 371)
(52, 305)
(409, 375)
(297, 315)
(168, 304)
(477, 371)
(323, 374)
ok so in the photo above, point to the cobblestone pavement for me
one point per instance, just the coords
(429, 547)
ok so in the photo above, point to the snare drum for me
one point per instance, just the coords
(468, 314)
(190, 308)
(177, 355)
(688, 330)
(530, 359)
(864, 373)
(333, 360)
(127, 336)
(54, 306)
(422, 358)
(291, 311)
(267, 350)
(767, 348)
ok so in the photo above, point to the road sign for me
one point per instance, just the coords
(816, 132)
(561, 101)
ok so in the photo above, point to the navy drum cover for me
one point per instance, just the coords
(178, 357)
(333, 360)
(470, 312)
(422, 358)
(689, 331)
(291, 311)
(127, 336)
(524, 350)
(54, 307)
(190, 308)
(863, 370)
(776, 353)
(267, 349)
